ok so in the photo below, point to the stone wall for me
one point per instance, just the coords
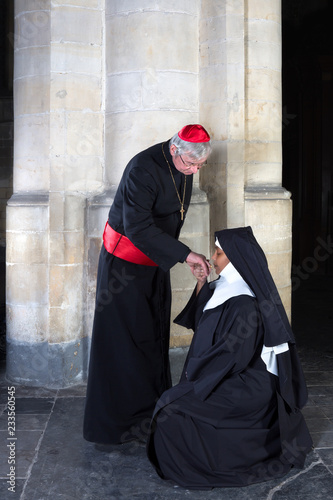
(87, 100)
(151, 76)
(58, 161)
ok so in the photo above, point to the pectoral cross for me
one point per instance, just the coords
(182, 211)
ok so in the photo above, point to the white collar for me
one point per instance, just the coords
(230, 284)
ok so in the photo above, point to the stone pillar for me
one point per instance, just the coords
(151, 92)
(58, 161)
(151, 76)
(222, 104)
(268, 207)
(240, 98)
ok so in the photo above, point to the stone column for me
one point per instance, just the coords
(240, 98)
(222, 101)
(27, 210)
(151, 92)
(58, 161)
(151, 76)
(268, 207)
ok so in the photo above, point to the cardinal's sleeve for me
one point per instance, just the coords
(140, 194)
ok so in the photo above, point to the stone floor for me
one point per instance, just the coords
(53, 462)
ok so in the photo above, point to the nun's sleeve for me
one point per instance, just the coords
(238, 339)
(190, 315)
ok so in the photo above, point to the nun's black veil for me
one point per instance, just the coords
(244, 252)
(246, 255)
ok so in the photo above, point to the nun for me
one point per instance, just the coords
(235, 417)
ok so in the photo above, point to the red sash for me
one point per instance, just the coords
(120, 246)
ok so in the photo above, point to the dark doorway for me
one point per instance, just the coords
(307, 86)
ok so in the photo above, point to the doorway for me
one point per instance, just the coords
(307, 89)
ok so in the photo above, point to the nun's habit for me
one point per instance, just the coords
(234, 419)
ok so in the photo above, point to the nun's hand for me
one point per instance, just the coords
(198, 260)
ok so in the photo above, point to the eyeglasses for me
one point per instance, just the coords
(189, 164)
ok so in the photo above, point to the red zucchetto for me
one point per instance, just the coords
(194, 133)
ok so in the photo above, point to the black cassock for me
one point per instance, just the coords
(230, 422)
(129, 359)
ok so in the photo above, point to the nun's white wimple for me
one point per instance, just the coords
(217, 243)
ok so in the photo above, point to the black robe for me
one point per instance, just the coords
(230, 422)
(129, 358)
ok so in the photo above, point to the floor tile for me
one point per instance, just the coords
(319, 378)
(322, 439)
(26, 421)
(328, 411)
(16, 457)
(33, 405)
(23, 463)
(27, 440)
(79, 390)
(9, 495)
(34, 392)
(313, 412)
(320, 425)
(320, 391)
(23, 451)
(326, 455)
(322, 400)
(316, 483)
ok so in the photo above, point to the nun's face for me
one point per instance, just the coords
(220, 260)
